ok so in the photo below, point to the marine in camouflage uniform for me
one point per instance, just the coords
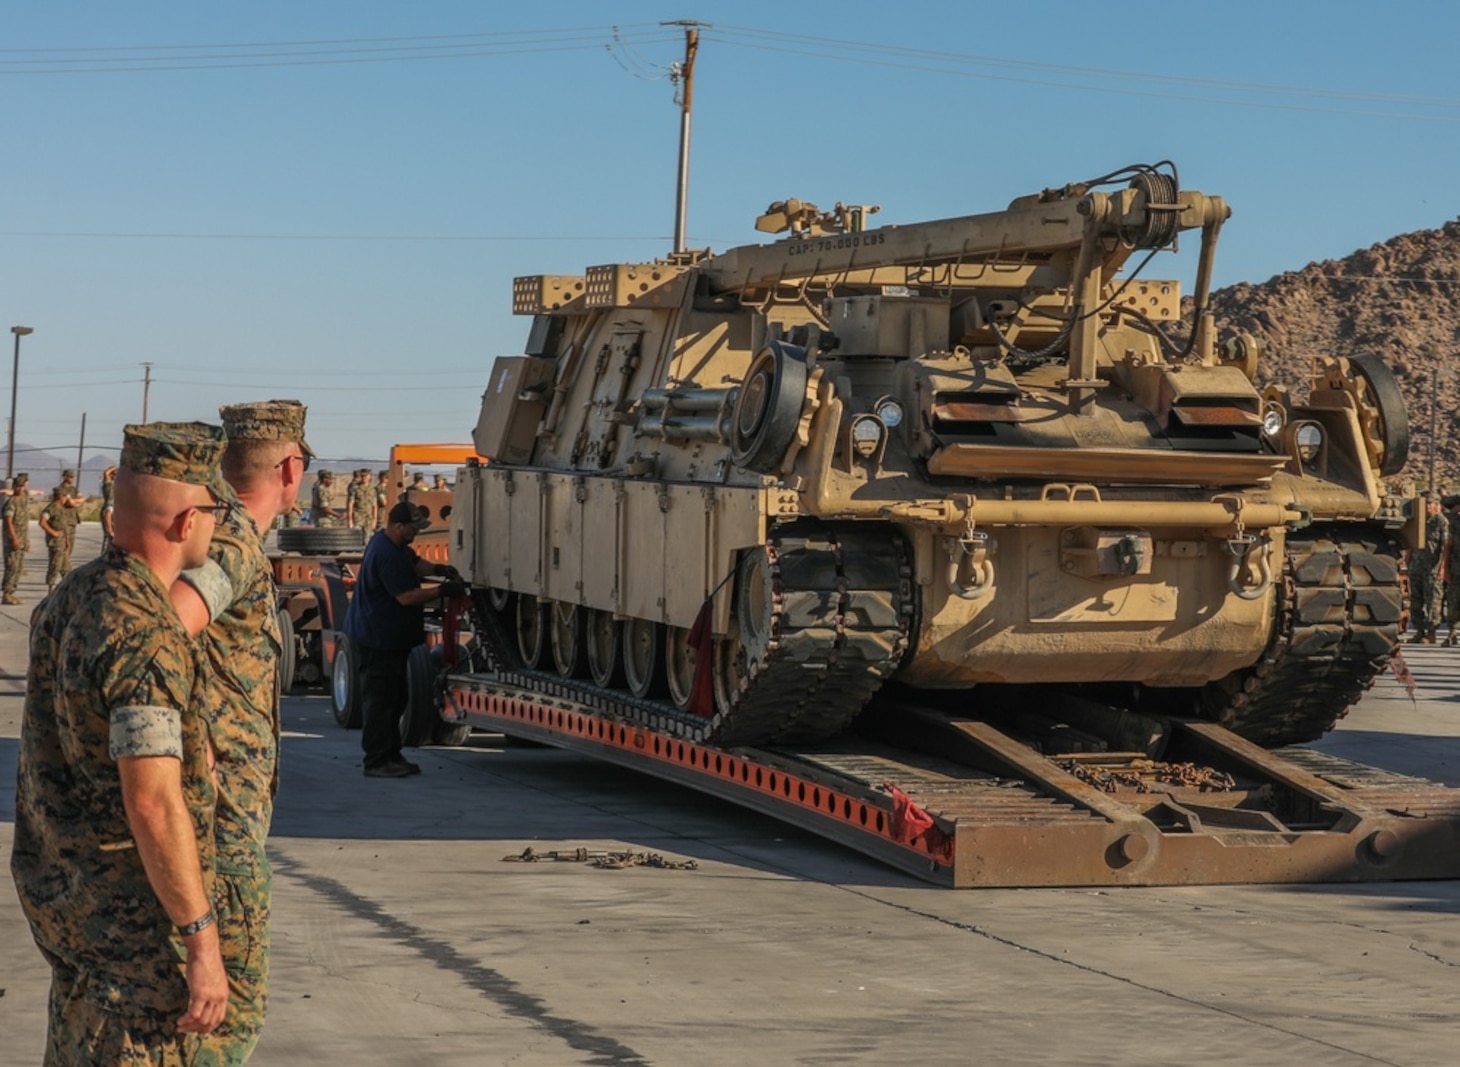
(362, 502)
(1450, 566)
(241, 645)
(53, 526)
(1426, 590)
(322, 500)
(71, 516)
(15, 514)
(108, 491)
(382, 498)
(111, 678)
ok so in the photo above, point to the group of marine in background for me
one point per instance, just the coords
(362, 504)
(1434, 573)
(58, 521)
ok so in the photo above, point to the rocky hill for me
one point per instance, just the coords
(1399, 300)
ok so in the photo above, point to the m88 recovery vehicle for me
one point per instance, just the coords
(737, 493)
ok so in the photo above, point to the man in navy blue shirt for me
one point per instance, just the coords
(385, 620)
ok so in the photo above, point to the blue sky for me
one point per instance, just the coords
(328, 200)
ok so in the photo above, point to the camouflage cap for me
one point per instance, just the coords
(326, 475)
(58, 493)
(178, 451)
(267, 420)
(67, 474)
(21, 478)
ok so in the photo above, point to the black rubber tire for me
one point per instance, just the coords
(768, 408)
(288, 653)
(321, 539)
(1393, 414)
(419, 717)
(450, 734)
(345, 685)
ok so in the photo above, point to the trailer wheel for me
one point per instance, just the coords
(288, 653)
(345, 685)
(420, 714)
(321, 539)
(449, 734)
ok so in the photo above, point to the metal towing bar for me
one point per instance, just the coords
(988, 811)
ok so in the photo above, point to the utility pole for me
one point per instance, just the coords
(683, 75)
(19, 331)
(81, 451)
(146, 388)
(1434, 404)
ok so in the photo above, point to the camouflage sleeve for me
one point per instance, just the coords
(145, 681)
(213, 585)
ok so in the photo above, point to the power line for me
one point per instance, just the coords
(622, 40)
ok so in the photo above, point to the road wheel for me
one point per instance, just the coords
(288, 653)
(345, 685)
(679, 665)
(643, 645)
(603, 634)
(533, 622)
(569, 639)
(420, 715)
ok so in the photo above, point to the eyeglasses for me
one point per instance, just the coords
(220, 512)
(300, 456)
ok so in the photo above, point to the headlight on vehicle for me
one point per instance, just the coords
(1307, 440)
(1273, 421)
(867, 432)
(889, 411)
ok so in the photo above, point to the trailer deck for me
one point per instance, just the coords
(961, 803)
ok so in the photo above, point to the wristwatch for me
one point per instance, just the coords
(197, 925)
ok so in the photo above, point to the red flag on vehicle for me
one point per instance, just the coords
(702, 641)
(1402, 675)
(910, 822)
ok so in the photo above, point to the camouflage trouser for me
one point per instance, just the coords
(1426, 600)
(58, 562)
(91, 1023)
(242, 907)
(14, 564)
(1452, 604)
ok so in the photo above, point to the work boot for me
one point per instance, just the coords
(1450, 641)
(1417, 639)
(388, 770)
(11, 598)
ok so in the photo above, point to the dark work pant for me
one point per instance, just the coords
(382, 699)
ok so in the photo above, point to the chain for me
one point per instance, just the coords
(611, 861)
(1145, 775)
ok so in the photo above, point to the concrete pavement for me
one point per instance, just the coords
(402, 938)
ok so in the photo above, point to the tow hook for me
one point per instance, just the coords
(970, 570)
(1251, 554)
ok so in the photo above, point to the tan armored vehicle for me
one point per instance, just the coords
(735, 494)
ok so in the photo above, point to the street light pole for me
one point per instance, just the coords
(19, 331)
